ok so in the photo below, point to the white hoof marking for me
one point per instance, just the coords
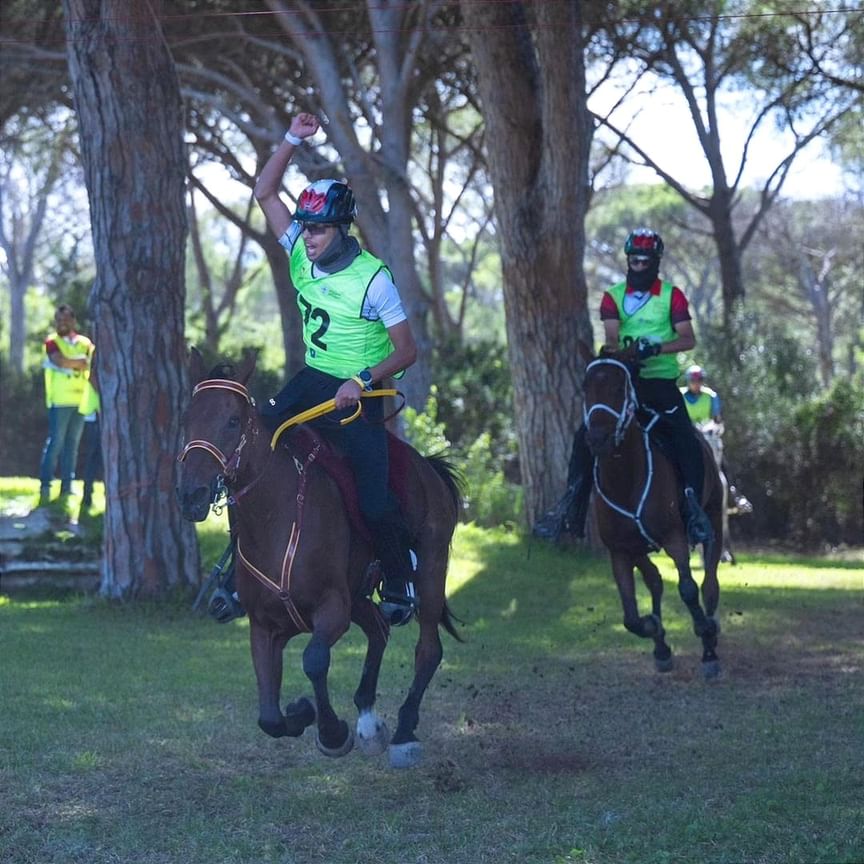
(372, 734)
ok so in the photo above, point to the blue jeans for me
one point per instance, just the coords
(65, 425)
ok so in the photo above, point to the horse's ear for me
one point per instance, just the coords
(197, 369)
(585, 351)
(247, 364)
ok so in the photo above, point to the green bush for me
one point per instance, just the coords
(490, 498)
(826, 456)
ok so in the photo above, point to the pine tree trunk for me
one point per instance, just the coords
(531, 71)
(130, 115)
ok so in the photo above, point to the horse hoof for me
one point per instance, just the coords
(372, 734)
(342, 749)
(664, 665)
(711, 670)
(407, 755)
(299, 715)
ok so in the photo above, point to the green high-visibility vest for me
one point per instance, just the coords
(700, 410)
(338, 340)
(652, 318)
(90, 402)
(65, 387)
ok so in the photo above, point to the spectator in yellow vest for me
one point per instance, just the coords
(67, 367)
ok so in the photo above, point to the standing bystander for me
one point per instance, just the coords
(67, 368)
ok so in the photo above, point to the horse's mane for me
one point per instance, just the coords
(627, 356)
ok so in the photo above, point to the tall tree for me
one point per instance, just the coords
(530, 62)
(710, 52)
(30, 167)
(128, 103)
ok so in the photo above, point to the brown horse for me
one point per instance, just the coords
(302, 560)
(637, 491)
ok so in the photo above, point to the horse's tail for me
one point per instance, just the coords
(447, 619)
(453, 479)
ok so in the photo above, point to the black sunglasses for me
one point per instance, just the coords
(314, 228)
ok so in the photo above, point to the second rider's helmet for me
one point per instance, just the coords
(694, 373)
(644, 241)
(328, 202)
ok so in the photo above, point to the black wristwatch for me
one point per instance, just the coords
(366, 377)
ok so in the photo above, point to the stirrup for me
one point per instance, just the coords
(399, 609)
(224, 607)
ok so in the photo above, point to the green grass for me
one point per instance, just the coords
(128, 733)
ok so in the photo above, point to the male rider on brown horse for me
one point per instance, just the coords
(356, 335)
(656, 315)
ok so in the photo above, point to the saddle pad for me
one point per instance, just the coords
(303, 439)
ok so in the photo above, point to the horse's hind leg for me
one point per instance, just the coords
(654, 582)
(711, 599)
(405, 750)
(372, 733)
(330, 621)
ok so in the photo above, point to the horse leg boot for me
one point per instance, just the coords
(571, 512)
(398, 594)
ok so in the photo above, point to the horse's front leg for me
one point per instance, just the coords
(646, 626)
(267, 647)
(654, 582)
(372, 733)
(330, 621)
(704, 625)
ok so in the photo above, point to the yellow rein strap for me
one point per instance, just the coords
(325, 408)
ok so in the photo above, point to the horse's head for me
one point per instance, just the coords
(220, 422)
(609, 398)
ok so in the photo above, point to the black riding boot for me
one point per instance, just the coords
(398, 595)
(571, 512)
(224, 604)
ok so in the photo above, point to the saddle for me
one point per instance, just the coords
(303, 441)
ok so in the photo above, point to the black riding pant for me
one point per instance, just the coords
(665, 398)
(364, 441)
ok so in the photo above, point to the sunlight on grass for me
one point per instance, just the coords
(796, 573)
(470, 545)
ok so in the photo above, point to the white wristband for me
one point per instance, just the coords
(293, 139)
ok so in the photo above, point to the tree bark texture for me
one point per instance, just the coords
(129, 109)
(530, 63)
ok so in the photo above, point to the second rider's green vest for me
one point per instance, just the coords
(338, 340)
(700, 410)
(652, 319)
